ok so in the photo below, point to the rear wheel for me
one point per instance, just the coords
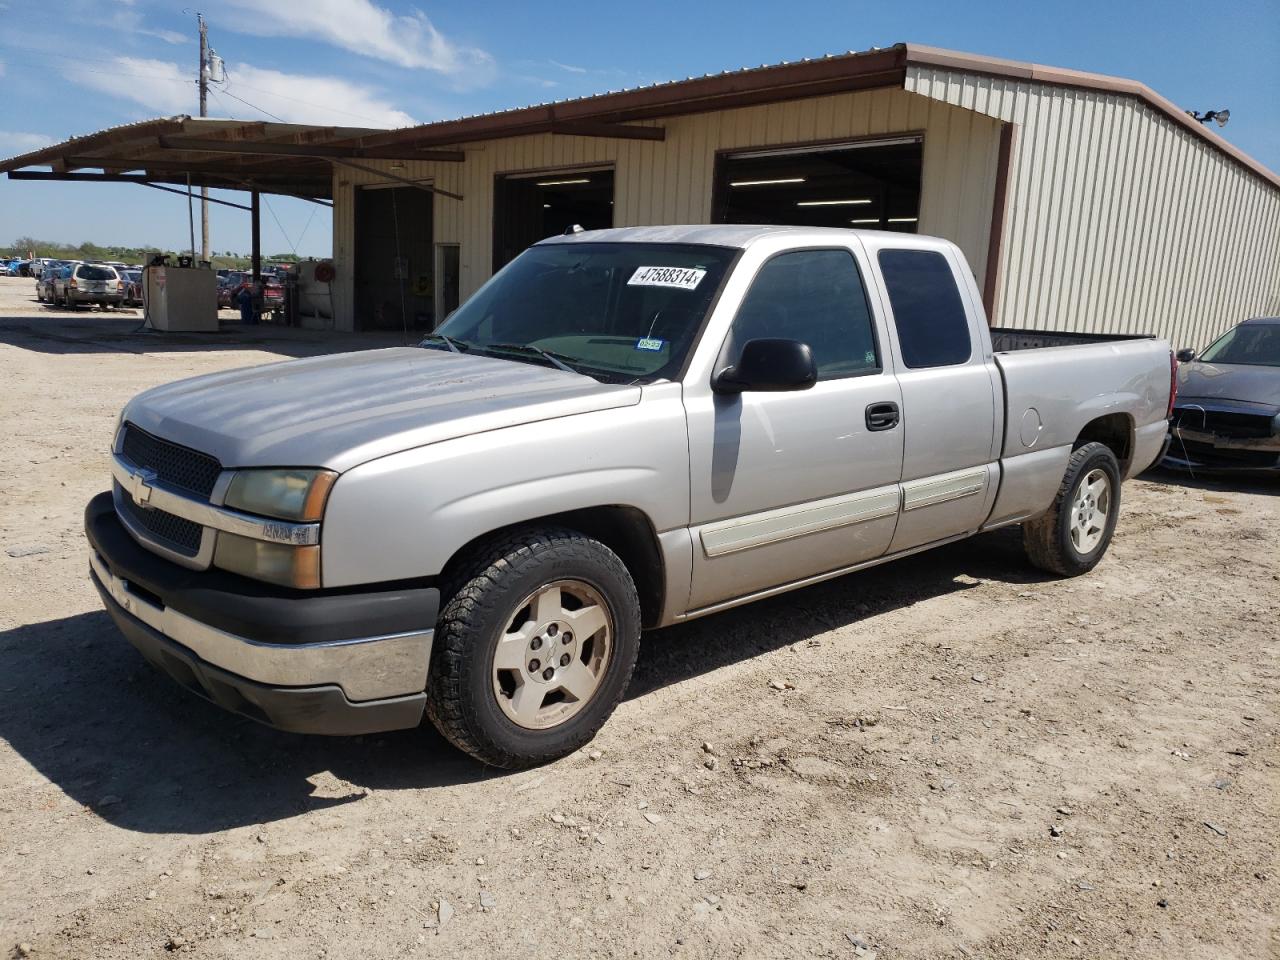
(1071, 537)
(535, 647)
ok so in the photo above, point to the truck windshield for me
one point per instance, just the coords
(616, 311)
(1255, 344)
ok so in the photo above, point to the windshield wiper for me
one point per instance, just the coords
(557, 359)
(455, 346)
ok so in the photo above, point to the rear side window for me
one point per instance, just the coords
(816, 297)
(927, 310)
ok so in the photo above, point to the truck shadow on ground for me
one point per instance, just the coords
(84, 709)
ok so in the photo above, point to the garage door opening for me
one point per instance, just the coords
(531, 207)
(394, 259)
(872, 185)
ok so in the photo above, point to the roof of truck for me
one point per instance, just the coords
(714, 234)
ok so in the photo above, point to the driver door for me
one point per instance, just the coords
(789, 485)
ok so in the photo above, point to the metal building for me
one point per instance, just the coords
(1083, 202)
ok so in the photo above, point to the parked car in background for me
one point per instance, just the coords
(132, 287)
(1227, 416)
(624, 429)
(229, 285)
(48, 276)
(87, 283)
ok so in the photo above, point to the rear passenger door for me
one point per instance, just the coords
(949, 394)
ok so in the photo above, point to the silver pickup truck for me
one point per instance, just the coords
(623, 429)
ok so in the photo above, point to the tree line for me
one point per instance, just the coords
(25, 247)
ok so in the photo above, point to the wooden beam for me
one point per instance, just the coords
(617, 131)
(183, 193)
(314, 151)
(289, 188)
(430, 188)
(125, 164)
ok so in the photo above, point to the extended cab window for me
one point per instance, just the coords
(816, 297)
(927, 310)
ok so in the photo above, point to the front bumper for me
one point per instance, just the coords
(333, 662)
(1206, 450)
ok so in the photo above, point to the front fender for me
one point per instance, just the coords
(404, 515)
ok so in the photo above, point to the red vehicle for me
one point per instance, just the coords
(272, 291)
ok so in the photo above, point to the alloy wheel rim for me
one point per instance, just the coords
(553, 655)
(1090, 507)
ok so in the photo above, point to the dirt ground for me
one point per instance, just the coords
(967, 759)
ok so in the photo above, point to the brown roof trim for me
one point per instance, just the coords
(922, 56)
(765, 84)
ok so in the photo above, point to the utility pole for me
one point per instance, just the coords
(204, 112)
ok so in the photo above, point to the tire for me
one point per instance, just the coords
(473, 701)
(1071, 537)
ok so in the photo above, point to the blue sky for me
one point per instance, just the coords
(389, 63)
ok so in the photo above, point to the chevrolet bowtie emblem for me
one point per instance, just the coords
(139, 485)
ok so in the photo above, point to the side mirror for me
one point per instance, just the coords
(1185, 355)
(770, 364)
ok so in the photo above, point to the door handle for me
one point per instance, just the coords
(882, 416)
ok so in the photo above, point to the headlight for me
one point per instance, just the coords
(297, 495)
(280, 563)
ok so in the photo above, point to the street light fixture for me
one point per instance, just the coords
(1220, 117)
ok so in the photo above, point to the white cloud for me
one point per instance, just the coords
(363, 27)
(567, 66)
(14, 143)
(158, 85)
(298, 98)
(132, 21)
(167, 88)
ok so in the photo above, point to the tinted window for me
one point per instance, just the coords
(92, 272)
(1256, 344)
(927, 309)
(816, 297)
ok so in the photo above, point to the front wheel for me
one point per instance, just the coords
(535, 647)
(1071, 537)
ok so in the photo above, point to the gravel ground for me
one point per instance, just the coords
(966, 759)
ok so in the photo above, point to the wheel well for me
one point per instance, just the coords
(624, 530)
(1115, 430)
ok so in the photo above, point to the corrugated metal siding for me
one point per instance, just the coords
(670, 181)
(1118, 220)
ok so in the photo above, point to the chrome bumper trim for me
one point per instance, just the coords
(147, 492)
(366, 668)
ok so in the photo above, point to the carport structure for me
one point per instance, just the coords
(185, 152)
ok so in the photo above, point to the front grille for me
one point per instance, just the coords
(1209, 455)
(174, 465)
(177, 533)
(1251, 426)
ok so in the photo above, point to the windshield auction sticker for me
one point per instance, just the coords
(682, 278)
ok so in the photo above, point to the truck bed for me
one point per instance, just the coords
(1009, 339)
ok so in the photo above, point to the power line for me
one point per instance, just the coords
(252, 106)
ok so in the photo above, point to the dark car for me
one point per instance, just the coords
(132, 287)
(1227, 415)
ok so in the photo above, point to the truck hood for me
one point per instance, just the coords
(1229, 381)
(342, 410)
